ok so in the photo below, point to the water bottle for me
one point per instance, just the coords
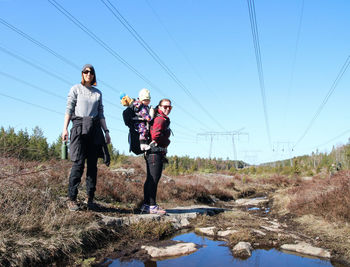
(64, 150)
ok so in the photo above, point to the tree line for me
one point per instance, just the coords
(34, 146)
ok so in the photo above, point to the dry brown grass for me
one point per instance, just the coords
(36, 226)
(328, 198)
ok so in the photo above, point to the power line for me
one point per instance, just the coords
(32, 104)
(155, 56)
(333, 139)
(43, 70)
(31, 85)
(177, 45)
(294, 60)
(325, 100)
(46, 48)
(112, 52)
(255, 34)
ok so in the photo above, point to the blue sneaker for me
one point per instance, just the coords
(156, 210)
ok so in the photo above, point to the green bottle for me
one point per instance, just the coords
(64, 150)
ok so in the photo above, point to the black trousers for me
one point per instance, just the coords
(77, 172)
(154, 164)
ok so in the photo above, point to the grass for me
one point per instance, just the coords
(328, 198)
(37, 228)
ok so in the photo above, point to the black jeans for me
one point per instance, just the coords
(154, 164)
(77, 172)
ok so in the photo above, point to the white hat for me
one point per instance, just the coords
(144, 94)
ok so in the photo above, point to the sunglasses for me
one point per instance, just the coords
(167, 107)
(88, 71)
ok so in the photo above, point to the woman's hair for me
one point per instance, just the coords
(159, 104)
(82, 75)
(164, 99)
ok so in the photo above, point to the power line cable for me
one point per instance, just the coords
(41, 69)
(255, 34)
(46, 48)
(112, 52)
(333, 139)
(42, 90)
(32, 104)
(294, 60)
(177, 45)
(30, 85)
(325, 100)
(155, 56)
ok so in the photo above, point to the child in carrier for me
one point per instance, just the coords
(141, 108)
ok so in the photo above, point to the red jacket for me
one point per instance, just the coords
(160, 131)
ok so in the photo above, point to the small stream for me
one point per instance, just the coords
(215, 253)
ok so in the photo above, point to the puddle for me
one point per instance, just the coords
(215, 253)
(266, 210)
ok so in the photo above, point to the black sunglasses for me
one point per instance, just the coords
(167, 107)
(87, 71)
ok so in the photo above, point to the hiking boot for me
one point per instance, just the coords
(72, 205)
(91, 205)
(156, 210)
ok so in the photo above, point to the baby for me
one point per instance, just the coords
(141, 108)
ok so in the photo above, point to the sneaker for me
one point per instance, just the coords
(72, 205)
(144, 147)
(156, 210)
(145, 209)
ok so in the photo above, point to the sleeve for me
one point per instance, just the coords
(159, 132)
(100, 108)
(145, 114)
(71, 100)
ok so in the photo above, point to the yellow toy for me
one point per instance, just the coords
(125, 100)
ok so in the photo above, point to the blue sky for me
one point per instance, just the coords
(208, 46)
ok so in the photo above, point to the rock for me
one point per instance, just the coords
(242, 250)
(178, 249)
(206, 230)
(307, 249)
(251, 202)
(271, 229)
(123, 171)
(258, 232)
(226, 233)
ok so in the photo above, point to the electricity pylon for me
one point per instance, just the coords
(232, 134)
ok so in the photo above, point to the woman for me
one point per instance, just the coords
(155, 157)
(85, 110)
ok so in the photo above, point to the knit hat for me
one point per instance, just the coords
(91, 68)
(144, 94)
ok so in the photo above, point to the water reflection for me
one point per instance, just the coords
(214, 253)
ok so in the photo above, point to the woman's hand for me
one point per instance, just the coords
(108, 138)
(65, 135)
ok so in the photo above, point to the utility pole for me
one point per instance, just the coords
(229, 133)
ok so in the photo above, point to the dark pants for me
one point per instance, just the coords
(154, 164)
(77, 172)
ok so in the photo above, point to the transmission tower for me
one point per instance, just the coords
(232, 134)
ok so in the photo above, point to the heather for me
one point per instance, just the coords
(37, 227)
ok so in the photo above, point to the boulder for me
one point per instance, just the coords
(242, 250)
(307, 249)
(206, 230)
(173, 250)
(226, 233)
(251, 201)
